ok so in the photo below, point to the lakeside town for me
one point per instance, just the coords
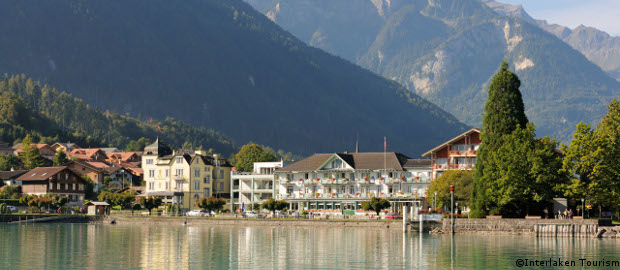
(501, 170)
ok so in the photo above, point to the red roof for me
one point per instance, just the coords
(86, 153)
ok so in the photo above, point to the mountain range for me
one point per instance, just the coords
(598, 46)
(216, 64)
(446, 51)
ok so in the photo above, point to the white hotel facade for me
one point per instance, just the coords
(341, 181)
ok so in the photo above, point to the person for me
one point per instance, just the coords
(559, 214)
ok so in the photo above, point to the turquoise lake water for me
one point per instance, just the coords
(167, 246)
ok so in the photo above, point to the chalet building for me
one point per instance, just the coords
(65, 147)
(10, 177)
(458, 153)
(341, 181)
(88, 154)
(182, 177)
(45, 150)
(84, 169)
(53, 180)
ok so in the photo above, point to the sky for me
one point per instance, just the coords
(601, 14)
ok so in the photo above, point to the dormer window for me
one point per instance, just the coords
(179, 160)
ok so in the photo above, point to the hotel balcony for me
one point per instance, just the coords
(358, 195)
(463, 153)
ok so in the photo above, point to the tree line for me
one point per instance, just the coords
(517, 174)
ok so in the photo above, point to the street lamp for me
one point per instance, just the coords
(452, 206)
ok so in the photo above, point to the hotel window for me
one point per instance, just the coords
(306, 175)
(179, 186)
(289, 190)
(197, 162)
(166, 185)
(196, 185)
(221, 174)
(179, 160)
(81, 187)
(197, 172)
(167, 172)
(149, 161)
(179, 172)
(207, 192)
(441, 161)
(207, 180)
(57, 186)
(73, 187)
(151, 173)
(221, 186)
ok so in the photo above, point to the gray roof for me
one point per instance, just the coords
(9, 175)
(417, 163)
(359, 161)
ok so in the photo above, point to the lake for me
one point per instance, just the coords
(171, 246)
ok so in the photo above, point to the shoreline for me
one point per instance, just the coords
(376, 224)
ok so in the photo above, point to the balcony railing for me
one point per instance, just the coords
(357, 195)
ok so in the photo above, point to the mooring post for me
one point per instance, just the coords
(405, 219)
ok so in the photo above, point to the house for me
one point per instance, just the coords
(44, 149)
(458, 153)
(84, 169)
(54, 180)
(6, 149)
(94, 154)
(254, 187)
(341, 181)
(65, 147)
(123, 157)
(182, 177)
(9, 177)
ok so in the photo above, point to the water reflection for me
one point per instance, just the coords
(165, 246)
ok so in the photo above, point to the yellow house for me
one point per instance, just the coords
(182, 177)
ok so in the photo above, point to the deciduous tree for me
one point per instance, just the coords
(249, 154)
(376, 204)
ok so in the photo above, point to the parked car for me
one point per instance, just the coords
(197, 213)
(393, 216)
(12, 208)
(252, 214)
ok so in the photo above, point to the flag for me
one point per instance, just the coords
(384, 143)
(159, 128)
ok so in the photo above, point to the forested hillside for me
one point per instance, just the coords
(216, 64)
(51, 115)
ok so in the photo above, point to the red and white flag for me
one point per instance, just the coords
(159, 128)
(384, 143)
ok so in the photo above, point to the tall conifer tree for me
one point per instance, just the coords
(503, 112)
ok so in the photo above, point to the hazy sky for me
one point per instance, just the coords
(601, 14)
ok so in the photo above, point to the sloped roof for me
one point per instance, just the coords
(41, 173)
(417, 163)
(86, 153)
(451, 141)
(39, 146)
(359, 161)
(123, 156)
(7, 175)
(97, 203)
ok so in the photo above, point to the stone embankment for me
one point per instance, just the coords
(377, 224)
(534, 227)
